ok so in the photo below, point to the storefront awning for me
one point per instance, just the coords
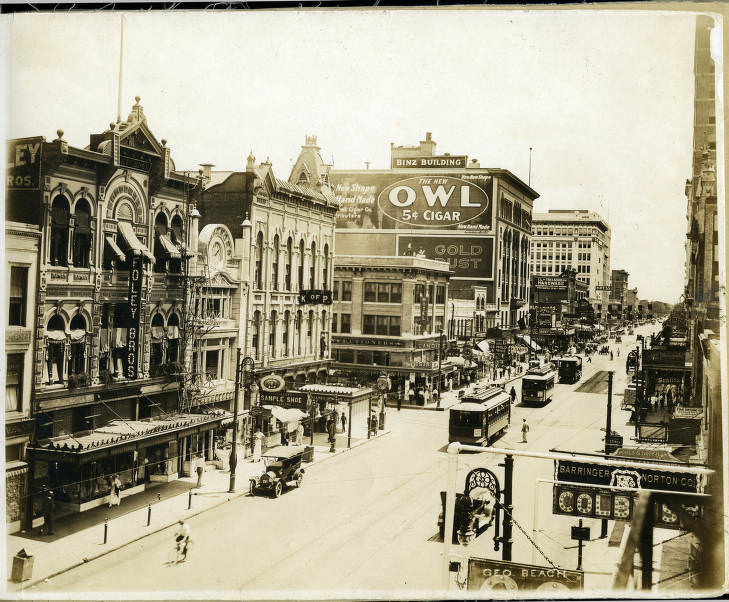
(529, 342)
(119, 436)
(169, 247)
(285, 415)
(115, 248)
(483, 346)
(130, 238)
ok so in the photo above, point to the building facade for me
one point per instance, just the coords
(445, 208)
(109, 325)
(579, 240)
(389, 314)
(21, 263)
(288, 248)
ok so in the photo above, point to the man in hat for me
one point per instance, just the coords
(524, 430)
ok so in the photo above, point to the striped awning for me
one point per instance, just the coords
(169, 247)
(130, 238)
(115, 248)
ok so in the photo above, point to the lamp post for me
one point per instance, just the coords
(440, 359)
(241, 366)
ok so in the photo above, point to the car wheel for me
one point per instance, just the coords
(278, 489)
(299, 479)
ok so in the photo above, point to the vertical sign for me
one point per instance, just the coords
(424, 308)
(135, 294)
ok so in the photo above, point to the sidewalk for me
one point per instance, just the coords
(79, 538)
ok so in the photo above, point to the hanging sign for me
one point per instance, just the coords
(273, 383)
(135, 294)
(626, 476)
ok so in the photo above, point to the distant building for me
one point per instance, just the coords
(576, 239)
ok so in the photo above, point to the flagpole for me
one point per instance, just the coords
(530, 166)
(121, 57)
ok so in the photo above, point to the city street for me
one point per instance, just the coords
(366, 521)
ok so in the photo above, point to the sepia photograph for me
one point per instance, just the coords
(364, 303)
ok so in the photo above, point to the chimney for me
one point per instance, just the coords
(474, 163)
(207, 169)
(427, 146)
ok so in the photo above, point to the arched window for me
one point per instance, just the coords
(82, 234)
(173, 338)
(156, 353)
(312, 268)
(289, 261)
(59, 231)
(297, 331)
(256, 337)
(160, 252)
(325, 269)
(301, 265)
(286, 325)
(258, 276)
(177, 235)
(272, 333)
(56, 334)
(275, 263)
(77, 359)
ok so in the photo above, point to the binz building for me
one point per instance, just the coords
(578, 240)
(389, 313)
(447, 209)
(115, 225)
(288, 251)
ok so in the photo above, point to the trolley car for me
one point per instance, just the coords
(570, 369)
(537, 385)
(480, 416)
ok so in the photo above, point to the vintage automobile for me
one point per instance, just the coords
(283, 468)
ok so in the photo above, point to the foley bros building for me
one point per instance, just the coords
(442, 207)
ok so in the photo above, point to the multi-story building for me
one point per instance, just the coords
(288, 248)
(445, 208)
(389, 314)
(702, 283)
(22, 236)
(114, 220)
(576, 239)
(630, 305)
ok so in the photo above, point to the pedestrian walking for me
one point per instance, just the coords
(512, 393)
(399, 405)
(48, 507)
(182, 541)
(611, 356)
(618, 351)
(115, 493)
(300, 431)
(524, 430)
(344, 422)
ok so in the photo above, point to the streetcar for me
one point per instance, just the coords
(537, 385)
(570, 369)
(480, 417)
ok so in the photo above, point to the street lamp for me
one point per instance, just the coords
(241, 365)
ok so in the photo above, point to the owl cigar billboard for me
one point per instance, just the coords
(388, 201)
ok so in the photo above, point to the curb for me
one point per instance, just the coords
(39, 580)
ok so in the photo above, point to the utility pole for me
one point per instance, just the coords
(234, 446)
(440, 359)
(508, 495)
(608, 432)
(579, 551)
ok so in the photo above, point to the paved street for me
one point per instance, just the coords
(366, 520)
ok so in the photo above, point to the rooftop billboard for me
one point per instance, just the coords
(389, 201)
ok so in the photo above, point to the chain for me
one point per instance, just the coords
(511, 516)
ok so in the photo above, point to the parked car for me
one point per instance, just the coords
(283, 468)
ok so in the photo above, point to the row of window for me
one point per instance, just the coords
(276, 283)
(287, 348)
(384, 325)
(344, 326)
(388, 292)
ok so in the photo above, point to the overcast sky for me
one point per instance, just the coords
(604, 98)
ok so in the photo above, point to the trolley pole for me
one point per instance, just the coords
(639, 391)
(313, 415)
(440, 359)
(508, 494)
(234, 445)
(349, 426)
(369, 416)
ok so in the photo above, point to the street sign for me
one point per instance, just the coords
(315, 297)
(669, 478)
(581, 533)
(502, 576)
(285, 399)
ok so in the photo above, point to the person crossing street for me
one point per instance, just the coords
(512, 393)
(524, 430)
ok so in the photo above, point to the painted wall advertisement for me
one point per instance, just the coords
(388, 201)
(470, 257)
(24, 164)
(135, 304)
(550, 283)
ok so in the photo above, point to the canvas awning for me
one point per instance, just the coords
(115, 248)
(483, 346)
(530, 342)
(130, 238)
(169, 247)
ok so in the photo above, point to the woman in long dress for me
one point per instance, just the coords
(257, 446)
(115, 494)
